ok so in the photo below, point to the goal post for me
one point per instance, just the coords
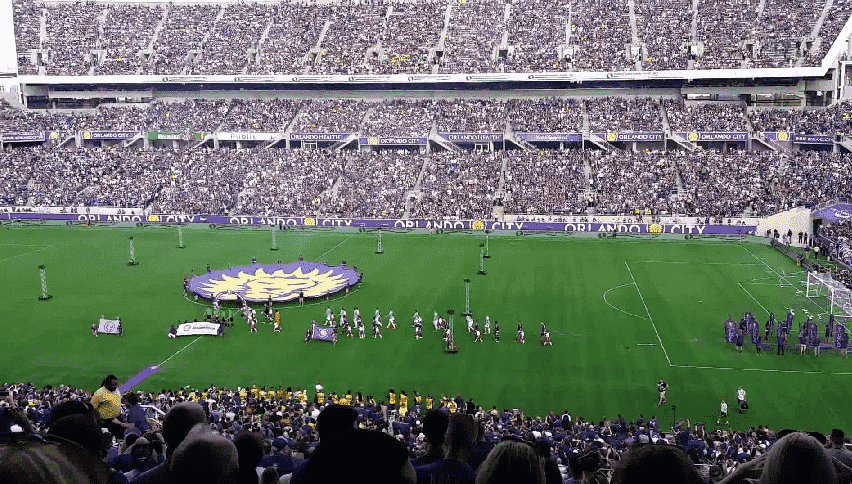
(839, 296)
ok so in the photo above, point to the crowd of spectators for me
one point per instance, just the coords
(238, 29)
(840, 234)
(374, 185)
(549, 182)
(344, 48)
(545, 115)
(286, 182)
(470, 116)
(400, 118)
(723, 26)
(536, 33)
(411, 31)
(782, 26)
(622, 114)
(261, 115)
(125, 31)
(705, 116)
(182, 35)
(656, 20)
(331, 116)
(834, 21)
(83, 38)
(628, 181)
(72, 35)
(296, 28)
(268, 434)
(26, 16)
(602, 35)
(835, 119)
(460, 186)
(475, 31)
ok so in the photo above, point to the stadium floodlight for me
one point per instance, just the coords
(482, 270)
(379, 248)
(44, 295)
(839, 296)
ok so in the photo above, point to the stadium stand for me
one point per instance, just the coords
(293, 426)
(483, 36)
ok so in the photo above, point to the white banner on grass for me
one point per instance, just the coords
(199, 328)
(109, 326)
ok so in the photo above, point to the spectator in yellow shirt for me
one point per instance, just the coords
(107, 402)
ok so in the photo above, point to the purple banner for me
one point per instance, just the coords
(714, 136)
(638, 136)
(278, 282)
(23, 137)
(777, 135)
(318, 136)
(814, 139)
(96, 135)
(558, 137)
(471, 137)
(841, 211)
(697, 229)
(376, 141)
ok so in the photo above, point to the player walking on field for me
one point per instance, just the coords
(662, 387)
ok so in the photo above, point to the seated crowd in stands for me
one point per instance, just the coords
(421, 36)
(443, 184)
(273, 434)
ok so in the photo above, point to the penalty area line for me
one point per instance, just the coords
(764, 370)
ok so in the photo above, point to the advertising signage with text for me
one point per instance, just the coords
(108, 135)
(625, 228)
(376, 141)
(637, 136)
(714, 136)
(471, 137)
(318, 136)
(23, 137)
(555, 137)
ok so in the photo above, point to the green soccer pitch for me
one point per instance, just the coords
(622, 313)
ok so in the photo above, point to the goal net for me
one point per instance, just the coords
(839, 296)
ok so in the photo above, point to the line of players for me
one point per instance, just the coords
(808, 333)
(439, 323)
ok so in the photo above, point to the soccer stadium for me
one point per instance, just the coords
(601, 241)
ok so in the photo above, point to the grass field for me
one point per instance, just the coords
(622, 312)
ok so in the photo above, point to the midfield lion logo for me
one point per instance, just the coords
(281, 282)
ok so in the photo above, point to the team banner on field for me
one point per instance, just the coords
(471, 137)
(96, 135)
(318, 136)
(23, 137)
(198, 329)
(633, 136)
(109, 326)
(557, 137)
(714, 136)
(378, 141)
(228, 136)
(322, 333)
